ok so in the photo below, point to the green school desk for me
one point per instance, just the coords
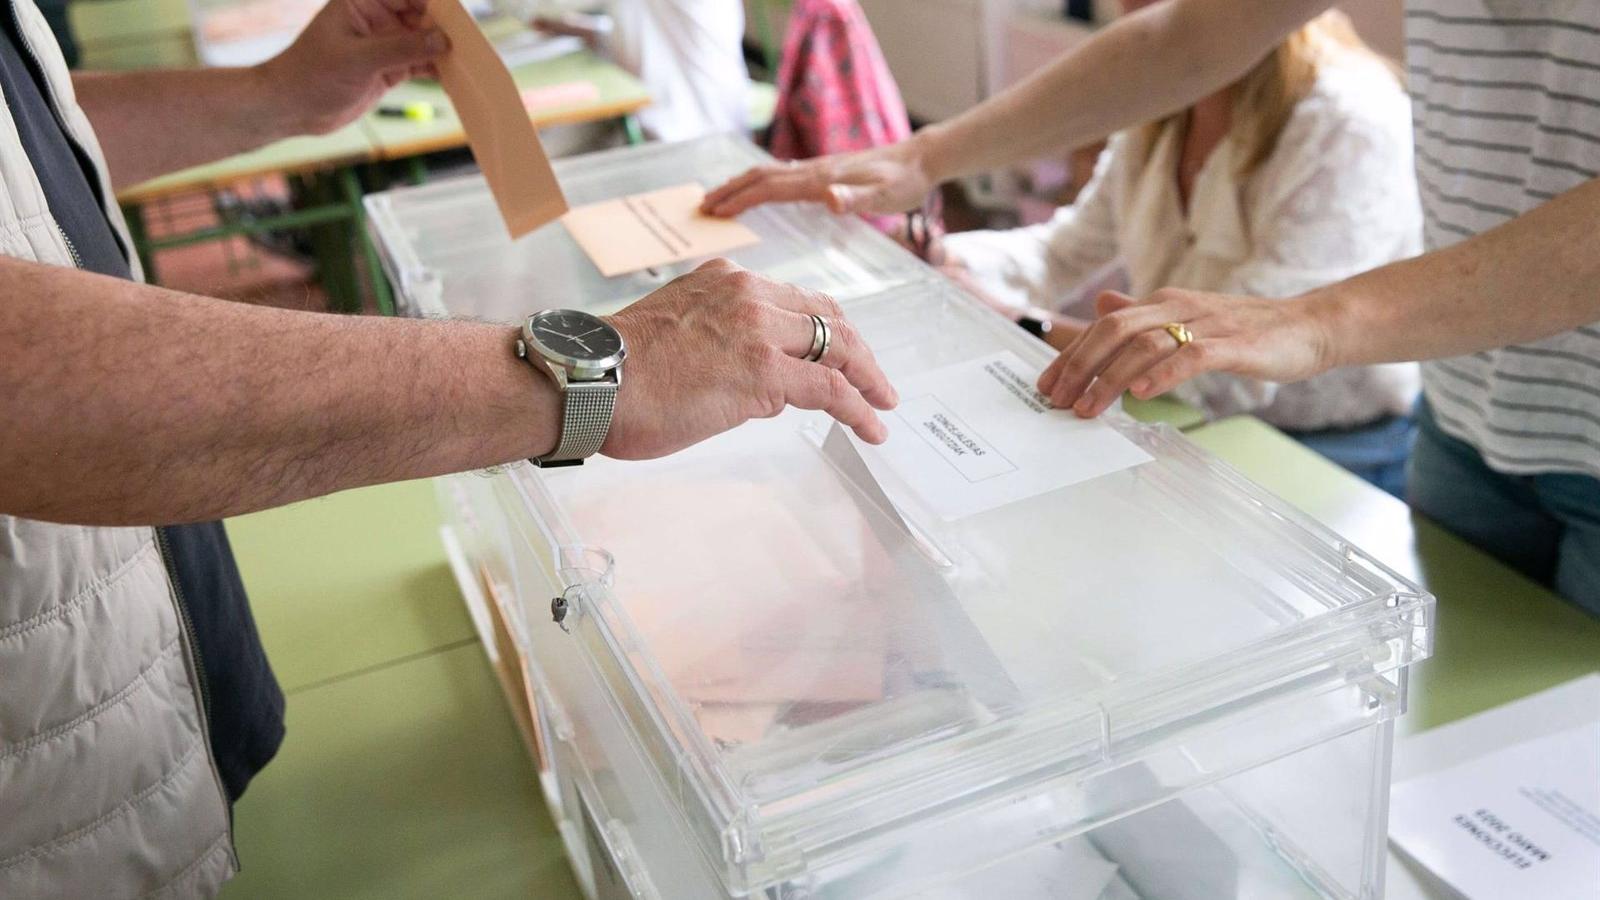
(1499, 636)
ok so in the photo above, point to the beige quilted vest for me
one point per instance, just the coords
(107, 786)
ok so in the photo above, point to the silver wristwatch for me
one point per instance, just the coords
(583, 355)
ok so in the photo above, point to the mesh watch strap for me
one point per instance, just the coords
(585, 421)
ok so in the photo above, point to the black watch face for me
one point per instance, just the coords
(577, 335)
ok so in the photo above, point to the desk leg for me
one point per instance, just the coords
(351, 187)
(631, 128)
(331, 242)
(416, 169)
(134, 214)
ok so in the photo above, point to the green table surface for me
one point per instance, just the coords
(619, 93)
(349, 145)
(1168, 409)
(1498, 636)
(166, 50)
(402, 774)
(105, 21)
(348, 582)
(409, 781)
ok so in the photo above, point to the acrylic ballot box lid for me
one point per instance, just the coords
(447, 237)
(814, 665)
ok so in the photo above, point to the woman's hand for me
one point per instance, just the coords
(882, 180)
(1129, 348)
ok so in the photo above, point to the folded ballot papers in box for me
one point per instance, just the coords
(1007, 654)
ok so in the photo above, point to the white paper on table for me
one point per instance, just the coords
(1519, 822)
(976, 435)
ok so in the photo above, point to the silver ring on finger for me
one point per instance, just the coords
(821, 338)
(817, 335)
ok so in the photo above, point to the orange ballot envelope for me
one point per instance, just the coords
(652, 229)
(503, 139)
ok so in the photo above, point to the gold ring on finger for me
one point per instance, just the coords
(1180, 333)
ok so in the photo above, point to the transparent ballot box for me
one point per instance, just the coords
(444, 248)
(754, 669)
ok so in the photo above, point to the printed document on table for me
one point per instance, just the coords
(976, 435)
(653, 229)
(1519, 822)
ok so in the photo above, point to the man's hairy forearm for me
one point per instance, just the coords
(1140, 67)
(128, 404)
(1533, 277)
(152, 123)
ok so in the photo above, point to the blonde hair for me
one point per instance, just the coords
(1265, 98)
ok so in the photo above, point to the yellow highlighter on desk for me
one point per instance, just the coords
(416, 111)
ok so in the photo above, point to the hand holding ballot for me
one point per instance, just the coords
(348, 55)
(722, 345)
(354, 50)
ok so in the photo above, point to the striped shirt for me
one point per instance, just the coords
(1506, 107)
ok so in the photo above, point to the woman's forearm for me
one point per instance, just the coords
(1530, 278)
(1138, 68)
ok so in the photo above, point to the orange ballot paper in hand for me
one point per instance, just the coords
(652, 229)
(503, 139)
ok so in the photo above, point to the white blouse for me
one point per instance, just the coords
(1338, 196)
(689, 55)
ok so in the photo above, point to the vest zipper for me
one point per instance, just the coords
(184, 618)
(72, 249)
(55, 109)
(197, 672)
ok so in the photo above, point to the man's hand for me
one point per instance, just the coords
(883, 180)
(1128, 347)
(350, 54)
(159, 121)
(721, 345)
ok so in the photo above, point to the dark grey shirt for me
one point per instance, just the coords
(73, 196)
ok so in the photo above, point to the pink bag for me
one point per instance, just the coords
(835, 93)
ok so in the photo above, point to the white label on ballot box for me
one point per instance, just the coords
(1519, 822)
(976, 435)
